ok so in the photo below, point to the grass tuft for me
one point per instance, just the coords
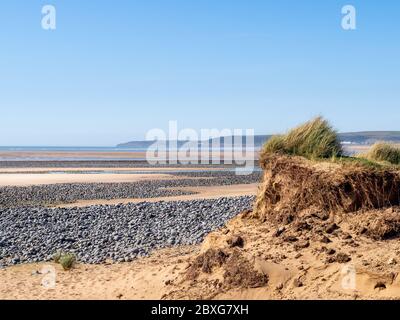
(67, 260)
(314, 139)
(384, 152)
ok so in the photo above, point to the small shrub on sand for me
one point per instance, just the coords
(313, 139)
(57, 256)
(67, 260)
(383, 151)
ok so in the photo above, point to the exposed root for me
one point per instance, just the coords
(293, 184)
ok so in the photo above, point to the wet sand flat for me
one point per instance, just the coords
(203, 192)
(28, 179)
(76, 155)
(105, 169)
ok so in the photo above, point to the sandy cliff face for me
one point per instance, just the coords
(317, 231)
(293, 184)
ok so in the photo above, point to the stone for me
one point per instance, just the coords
(331, 228)
(325, 239)
(235, 241)
(301, 245)
(297, 283)
(111, 233)
(380, 285)
(342, 258)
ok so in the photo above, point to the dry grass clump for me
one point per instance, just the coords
(313, 139)
(67, 260)
(383, 151)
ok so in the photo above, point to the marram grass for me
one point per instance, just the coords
(315, 139)
(384, 152)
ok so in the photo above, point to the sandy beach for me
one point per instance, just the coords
(51, 175)
(69, 155)
(143, 279)
(200, 151)
(292, 273)
(300, 264)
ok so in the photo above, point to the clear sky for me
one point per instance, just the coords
(112, 70)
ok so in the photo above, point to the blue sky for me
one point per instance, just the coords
(112, 70)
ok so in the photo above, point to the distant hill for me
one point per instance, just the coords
(146, 144)
(258, 141)
(370, 137)
(363, 137)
